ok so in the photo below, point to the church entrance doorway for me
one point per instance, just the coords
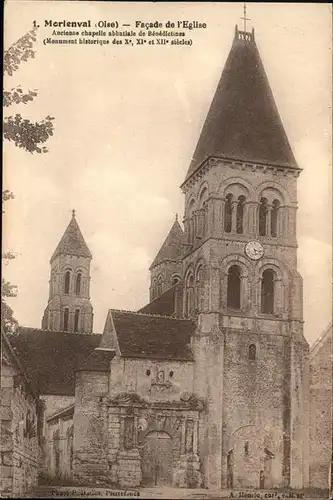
(157, 459)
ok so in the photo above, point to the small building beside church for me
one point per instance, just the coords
(208, 384)
(321, 418)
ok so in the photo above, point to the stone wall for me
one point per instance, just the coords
(321, 411)
(152, 379)
(90, 428)
(19, 427)
(54, 404)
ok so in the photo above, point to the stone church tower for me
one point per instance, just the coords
(242, 286)
(69, 308)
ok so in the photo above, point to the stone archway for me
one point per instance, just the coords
(157, 459)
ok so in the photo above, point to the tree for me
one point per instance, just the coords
(23, 132)
(28, 135)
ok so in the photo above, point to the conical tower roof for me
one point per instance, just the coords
(172, 246)
(243, 122)
(72, 242)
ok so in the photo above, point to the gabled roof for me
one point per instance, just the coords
(243, 122)
(51, 358)
(172, 247)
(151, 336)
(72, 242)
(164, 304)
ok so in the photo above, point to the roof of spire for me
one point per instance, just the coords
(243, 122)
(72, 242)
(172, 246)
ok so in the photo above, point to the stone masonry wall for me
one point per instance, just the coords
(90, 428)
(19, 441)
(321, 413)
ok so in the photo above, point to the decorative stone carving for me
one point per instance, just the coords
(126, 398)
(192, 401)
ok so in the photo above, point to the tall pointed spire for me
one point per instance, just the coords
(243, 122)
(72, 241)
(173, 245)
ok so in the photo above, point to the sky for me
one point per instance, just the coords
(127, 120)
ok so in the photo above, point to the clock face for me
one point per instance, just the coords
(254, 250)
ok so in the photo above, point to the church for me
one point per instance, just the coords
(207, 386)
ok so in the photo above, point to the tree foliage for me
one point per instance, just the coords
(26, 134)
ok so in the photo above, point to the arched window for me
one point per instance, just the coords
(67, 281)
(76, 320)
(175, 280)
(154, 288)
(228, 214)
(262, 217)
(240, 215)
(252, 352)
(234, 287)
(189, 296)
(267, 291)
(78, 284)
(274, 217)
(159, 286)
(66, 319)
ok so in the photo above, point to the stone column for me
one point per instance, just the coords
(223, 200)
(268, 220)
(245, 298)
(121, 432)
(195, 437)
(251, 218)
(215, 285)
(292, 224)
(278, 299)
(182, 436)
(217, 230)
(234, 217)
(135, 431)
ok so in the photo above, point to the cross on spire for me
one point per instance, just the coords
(73, 213)
(245, 18)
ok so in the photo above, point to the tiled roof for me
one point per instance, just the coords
(151, 336)
(50, 358)
(164, 304)
(172, 247)
(72, 242)
(243, 122)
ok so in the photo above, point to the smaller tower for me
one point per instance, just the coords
(166, 268)
(69, 307)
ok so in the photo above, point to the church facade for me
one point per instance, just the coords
(207, 385)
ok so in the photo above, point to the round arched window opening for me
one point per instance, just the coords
(148, 373)
(252, 352)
